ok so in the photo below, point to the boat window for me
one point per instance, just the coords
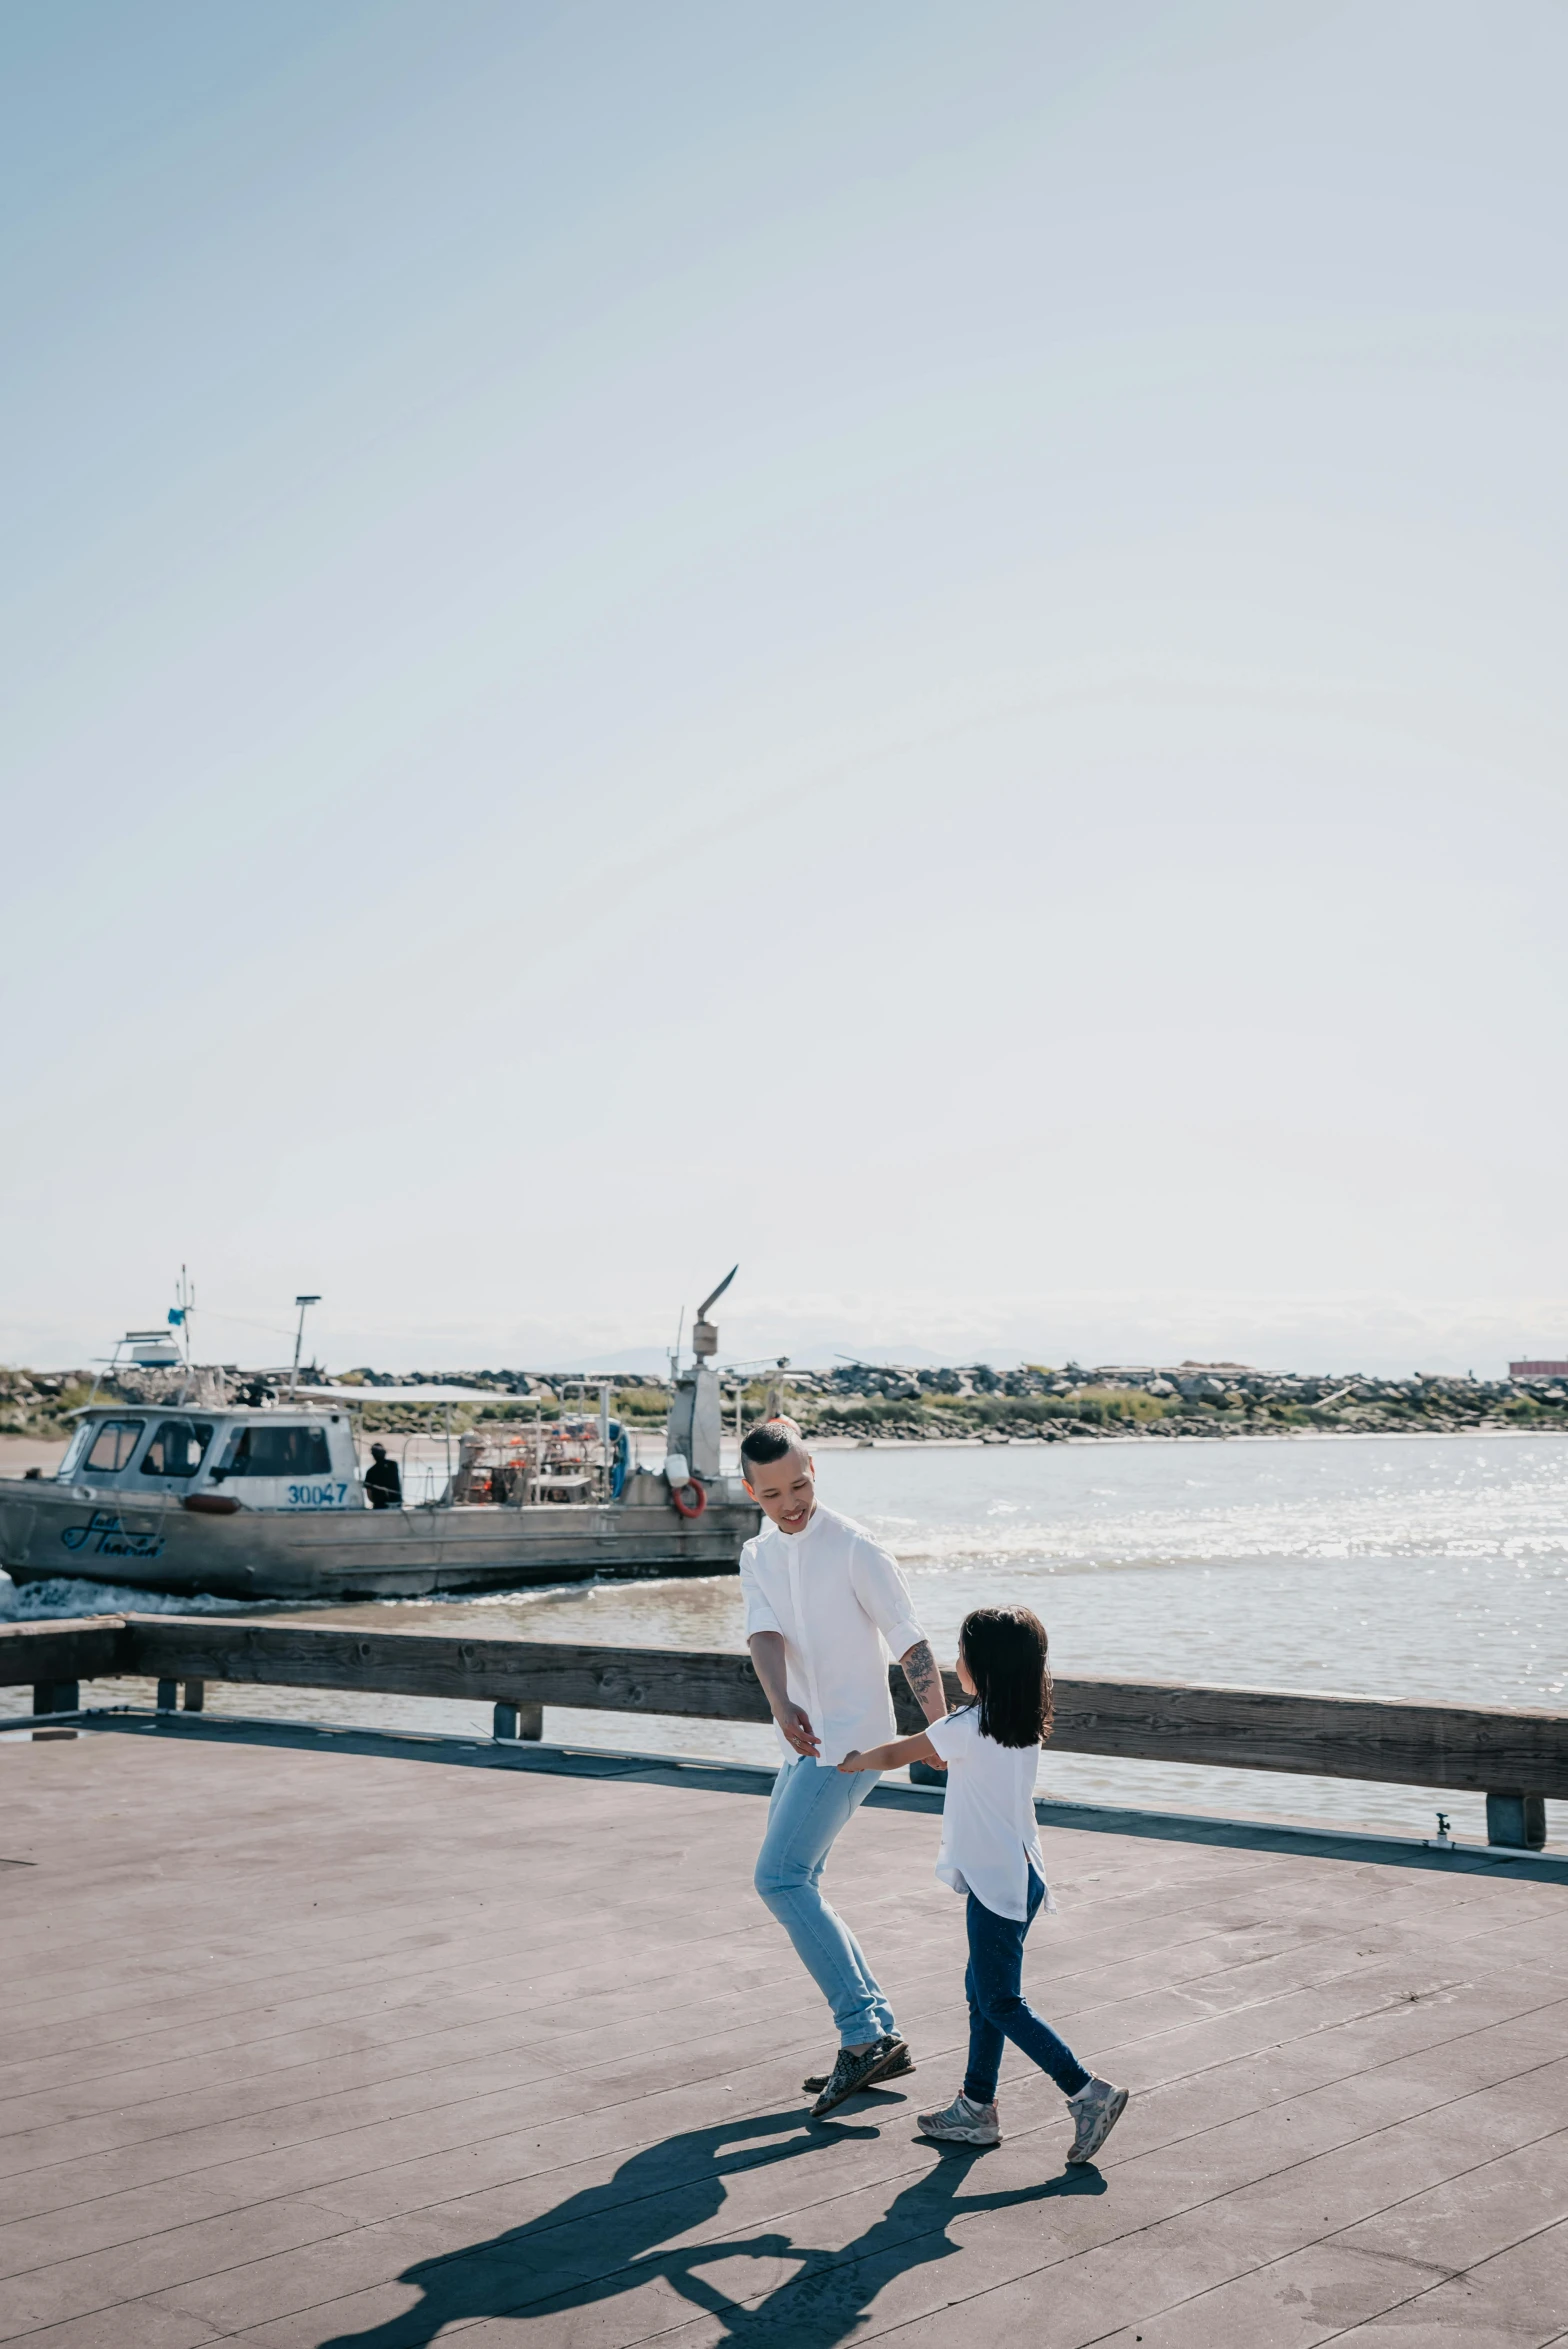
(277, 1451)
(113, 1445)
(178, 1448)
(74, 1451)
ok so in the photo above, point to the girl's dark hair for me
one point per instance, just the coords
(1006, 1651)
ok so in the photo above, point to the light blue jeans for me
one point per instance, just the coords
(809, 1807)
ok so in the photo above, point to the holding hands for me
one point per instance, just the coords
(769, 1662)
(892, 1757)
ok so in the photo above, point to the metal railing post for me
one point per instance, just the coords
(1518, 1820)
(519, 1721)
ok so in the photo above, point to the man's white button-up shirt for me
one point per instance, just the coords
(834, 1597)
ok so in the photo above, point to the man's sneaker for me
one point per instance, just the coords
(963, 2122)
(852, 2073)
(1096, 2109)
(896, 2061)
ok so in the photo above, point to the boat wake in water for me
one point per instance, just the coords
(36, 1602)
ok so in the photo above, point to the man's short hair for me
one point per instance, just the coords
(769, 1442)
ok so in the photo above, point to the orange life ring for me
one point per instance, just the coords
(689, 1498)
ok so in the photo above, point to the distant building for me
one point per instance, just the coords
(1538, 1369)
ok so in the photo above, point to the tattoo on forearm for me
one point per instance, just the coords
(924, 1679)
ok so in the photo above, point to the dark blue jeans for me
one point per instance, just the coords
(998, 2010)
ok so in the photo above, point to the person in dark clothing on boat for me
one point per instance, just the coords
(382, 1481)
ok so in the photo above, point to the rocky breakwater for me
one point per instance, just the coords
(1043, 1404)
(1035, 1403)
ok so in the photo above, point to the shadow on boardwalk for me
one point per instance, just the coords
(612, 2240)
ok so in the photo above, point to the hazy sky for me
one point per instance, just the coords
(921, 645)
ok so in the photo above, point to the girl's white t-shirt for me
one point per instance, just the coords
(989, 1837)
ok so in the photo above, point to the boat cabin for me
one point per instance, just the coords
(281, 1458)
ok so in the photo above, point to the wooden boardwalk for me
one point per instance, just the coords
(335, 2048)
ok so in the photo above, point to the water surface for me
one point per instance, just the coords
(1399, 1566)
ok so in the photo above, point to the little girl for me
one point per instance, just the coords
(991, 1851)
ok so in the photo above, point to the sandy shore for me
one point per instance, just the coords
(19, 1453)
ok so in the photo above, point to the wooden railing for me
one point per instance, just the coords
(1516, 1758)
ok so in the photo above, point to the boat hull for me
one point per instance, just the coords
(341, 1554)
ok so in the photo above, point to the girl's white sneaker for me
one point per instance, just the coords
(1096, 2109)
(963, 2122)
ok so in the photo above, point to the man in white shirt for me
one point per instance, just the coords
(821, 1600)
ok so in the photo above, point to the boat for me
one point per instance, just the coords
(266, 1498)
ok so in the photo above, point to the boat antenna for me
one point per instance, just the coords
(180, 1317)
(299, 1339)
(675, 1358)
(98, 1376)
